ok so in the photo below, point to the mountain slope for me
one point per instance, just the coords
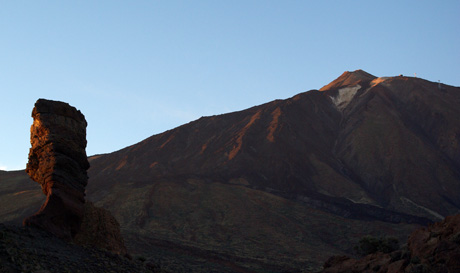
(400, 138)
(20, 196)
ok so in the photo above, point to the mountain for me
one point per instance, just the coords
(283, 185)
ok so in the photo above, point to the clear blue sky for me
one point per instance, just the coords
(138, 68)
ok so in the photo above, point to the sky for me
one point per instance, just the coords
(139, 68)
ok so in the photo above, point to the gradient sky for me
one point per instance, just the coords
(139, 68)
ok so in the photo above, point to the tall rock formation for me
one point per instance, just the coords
(58, 162)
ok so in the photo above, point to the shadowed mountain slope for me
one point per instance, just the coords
(284, 185)
(20, 196)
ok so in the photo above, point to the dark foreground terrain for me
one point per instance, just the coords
(433, 249)
(27, 249)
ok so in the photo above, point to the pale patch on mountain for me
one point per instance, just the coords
(344, 96)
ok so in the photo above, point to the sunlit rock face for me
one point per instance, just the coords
(58, 162)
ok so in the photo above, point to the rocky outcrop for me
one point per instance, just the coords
(433, 249)
(438, 246)
(58, 162)
(100, 229)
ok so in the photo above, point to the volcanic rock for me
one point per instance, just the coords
(29, 249)
(100, 229)
(58, 162)
(433, 249)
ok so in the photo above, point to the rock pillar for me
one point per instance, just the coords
(58, 162)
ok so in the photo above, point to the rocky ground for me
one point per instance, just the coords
(26, 249)
(435, 249)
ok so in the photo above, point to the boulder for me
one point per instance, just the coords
(100, 229)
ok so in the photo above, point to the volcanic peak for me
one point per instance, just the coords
(349, 79)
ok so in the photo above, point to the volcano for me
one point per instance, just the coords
(283, 185)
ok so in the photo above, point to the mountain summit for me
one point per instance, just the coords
(286, 184)
(349, 78)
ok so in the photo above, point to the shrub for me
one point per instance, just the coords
(369, 244)
(388, 244)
